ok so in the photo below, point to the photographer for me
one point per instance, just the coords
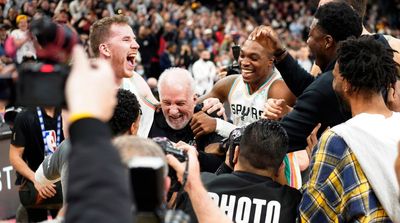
(37, 132)
(257, 182)
(205, 208)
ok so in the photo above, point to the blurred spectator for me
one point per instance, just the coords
(22, 39)
(148, 51)
(167, 58)
(185, 58)
(303, 58)
(204, 73)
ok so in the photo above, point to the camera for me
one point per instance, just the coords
(42, 82)
(230, 143)
(168, 148)
(147, 185)
(234, 68)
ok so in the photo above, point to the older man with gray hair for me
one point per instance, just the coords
(178, 104)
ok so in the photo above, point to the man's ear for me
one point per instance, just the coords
(329, 42)
(135, 126)
(103, 49)
(346, 87)
(236, 155)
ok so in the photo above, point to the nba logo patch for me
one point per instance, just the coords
(51, 138)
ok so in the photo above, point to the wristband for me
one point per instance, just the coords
(224, 128)
(78, 116)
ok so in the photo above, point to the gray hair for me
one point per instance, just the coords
(133, 146)
(176, 76)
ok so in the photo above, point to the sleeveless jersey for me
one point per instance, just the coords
(146, 106)
(245, 107)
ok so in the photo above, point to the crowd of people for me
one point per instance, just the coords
(305, 129)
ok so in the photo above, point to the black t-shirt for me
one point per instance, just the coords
(28, 134)
(160, 128)
(247, 197)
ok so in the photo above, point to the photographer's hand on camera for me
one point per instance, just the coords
(193, 177)
(83, 94)
(205, 208)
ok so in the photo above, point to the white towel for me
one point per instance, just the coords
(373, 139)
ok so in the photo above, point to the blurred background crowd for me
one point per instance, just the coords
(176, 32)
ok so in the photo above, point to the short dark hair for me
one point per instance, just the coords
(367, 64)
(125, 113)
(264, 144)
(99, 31)
(338, 20)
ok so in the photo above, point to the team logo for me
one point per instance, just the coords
(51, 137)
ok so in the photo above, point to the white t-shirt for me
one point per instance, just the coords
(27, 48)
(204, 73)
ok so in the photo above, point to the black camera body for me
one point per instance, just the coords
(234, 68)
(168, 148)
(230, 143)
(42, 82)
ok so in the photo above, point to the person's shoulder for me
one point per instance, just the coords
(394, 43)
(229, 80)
(393, 40)
(213, 179)
(322, 84)
(26, 114)
(292, 192)
(331, 144)
(206, 177)
(15, 32)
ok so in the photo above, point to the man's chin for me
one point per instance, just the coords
(128, 74)
(176, 126)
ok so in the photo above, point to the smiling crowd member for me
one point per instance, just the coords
(112, 38)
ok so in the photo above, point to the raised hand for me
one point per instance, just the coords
(91, 87)
(268, 38)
